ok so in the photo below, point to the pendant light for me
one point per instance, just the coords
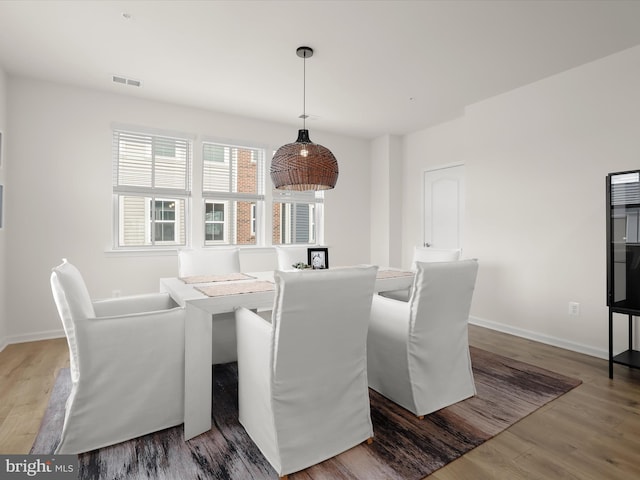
(304, 165)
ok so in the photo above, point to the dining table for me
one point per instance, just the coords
(206, 295)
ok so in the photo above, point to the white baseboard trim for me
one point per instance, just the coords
(30, 337)
(539, 337)
(481, 322)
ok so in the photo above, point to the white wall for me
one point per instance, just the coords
(435, 147)
(536, 160)
(4, 328)
(386, 201)
(60, 195)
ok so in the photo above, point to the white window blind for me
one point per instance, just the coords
(150, 162)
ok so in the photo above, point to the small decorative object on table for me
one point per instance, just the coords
(318, 258)
(301, 266)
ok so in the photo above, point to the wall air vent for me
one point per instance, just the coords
(126, 81)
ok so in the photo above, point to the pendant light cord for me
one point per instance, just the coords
(304, 91)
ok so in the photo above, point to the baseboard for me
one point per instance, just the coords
(31, 337)
(538, 337)
(481, 322)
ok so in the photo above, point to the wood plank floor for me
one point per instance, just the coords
(27, 373)
(593, 432)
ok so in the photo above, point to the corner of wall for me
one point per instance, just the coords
(386, 198)
(3, 149)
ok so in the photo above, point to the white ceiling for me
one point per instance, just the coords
(379, 66)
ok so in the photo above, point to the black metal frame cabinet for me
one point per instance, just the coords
(623, 258)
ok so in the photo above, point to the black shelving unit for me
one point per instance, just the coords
(629, 357)
(623, 259)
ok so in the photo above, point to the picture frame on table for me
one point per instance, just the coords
(318, 258)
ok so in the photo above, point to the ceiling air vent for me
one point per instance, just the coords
(126, 81)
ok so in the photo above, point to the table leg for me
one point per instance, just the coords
(198, 372)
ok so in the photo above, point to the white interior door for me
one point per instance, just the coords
(444, 207)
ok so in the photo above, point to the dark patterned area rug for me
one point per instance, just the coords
(404, 447)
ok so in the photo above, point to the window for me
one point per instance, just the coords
(152, 175)
(164, 214)
(214, 222)
(232, 188)
(151, 185)
(295, 217)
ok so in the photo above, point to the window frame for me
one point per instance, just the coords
(254, 219)
(291, 201)
(154, 160)
(258, 220)
(225, 215)
(153, 222)
(229, 191)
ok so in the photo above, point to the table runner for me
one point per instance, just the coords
(236, 288)
(225, 277)
(394, 273)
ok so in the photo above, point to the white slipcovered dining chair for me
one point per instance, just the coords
(424, 254)
(302, 377)
(127, 364)
(215, 261)
(418, 351)
(430, 254)
(289, 256)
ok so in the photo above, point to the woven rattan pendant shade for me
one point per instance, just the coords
(304, 165)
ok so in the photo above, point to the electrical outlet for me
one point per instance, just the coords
(574, 309)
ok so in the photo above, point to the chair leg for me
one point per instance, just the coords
(284, 477)
(369, 440)
(420, 417)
